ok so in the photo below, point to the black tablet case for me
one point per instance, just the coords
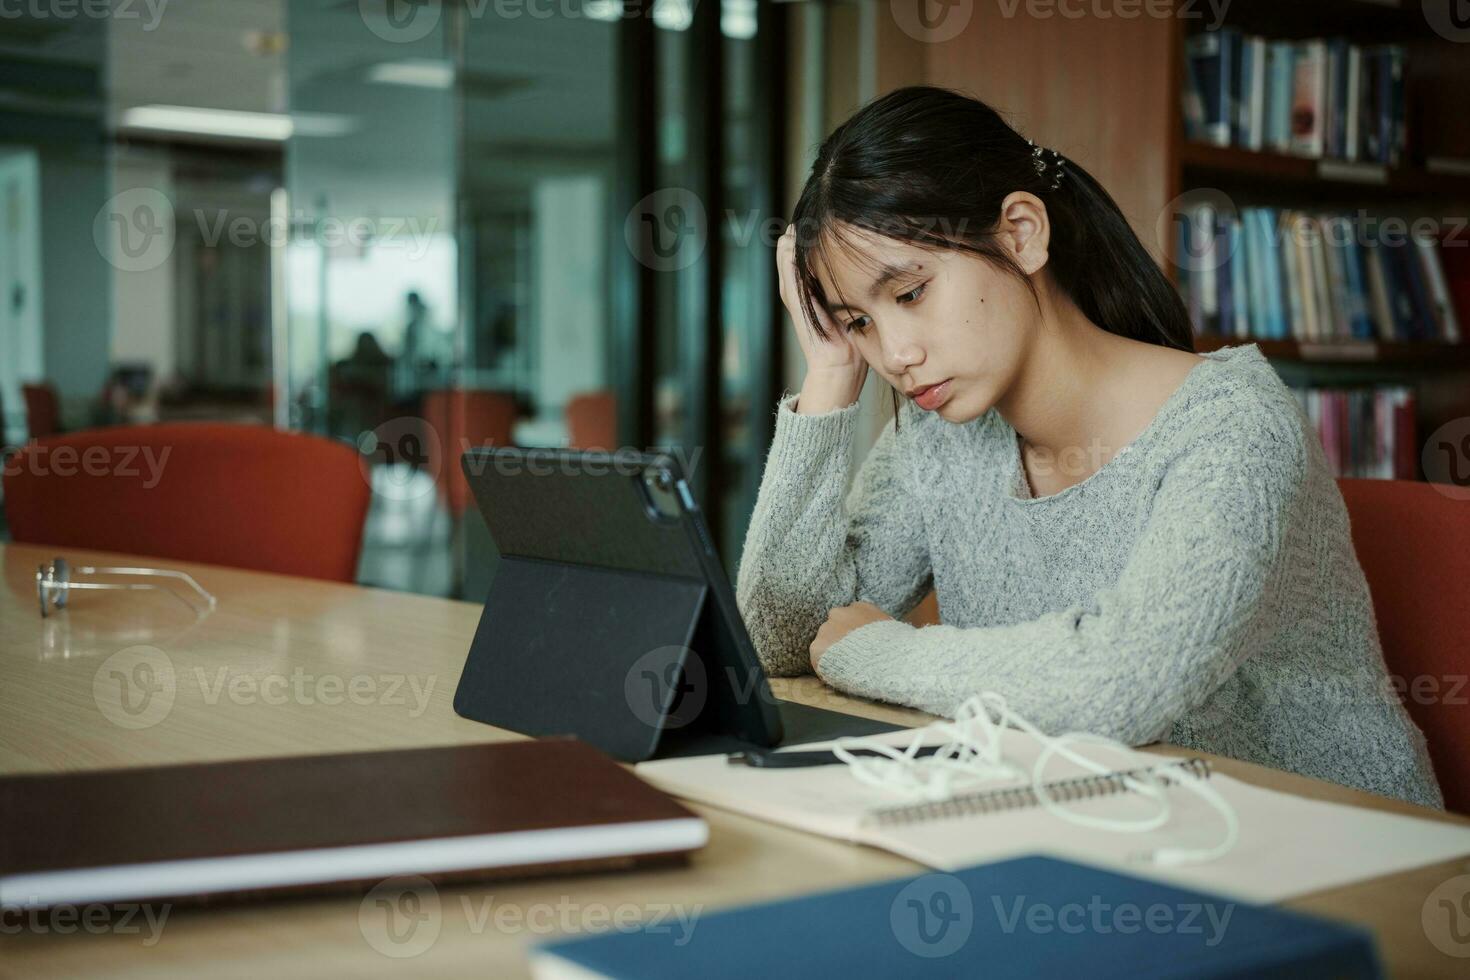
(601, 620)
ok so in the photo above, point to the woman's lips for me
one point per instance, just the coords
(933, 396)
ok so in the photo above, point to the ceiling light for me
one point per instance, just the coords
(231, 123)
(417, 72)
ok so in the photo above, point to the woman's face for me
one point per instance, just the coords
(943, 320)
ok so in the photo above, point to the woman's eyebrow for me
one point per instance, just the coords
(886, 275)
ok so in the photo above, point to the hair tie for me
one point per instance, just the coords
(1039, 161)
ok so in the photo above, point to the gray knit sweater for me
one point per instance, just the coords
(1200, 588)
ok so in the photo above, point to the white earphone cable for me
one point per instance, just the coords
(973, 756)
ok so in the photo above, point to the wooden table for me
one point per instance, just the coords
(287, 665)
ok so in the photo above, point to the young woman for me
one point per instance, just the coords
(1125, 537)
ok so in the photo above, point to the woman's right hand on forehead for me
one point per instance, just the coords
(835, 371)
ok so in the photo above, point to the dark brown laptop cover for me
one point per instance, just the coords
(105, 818)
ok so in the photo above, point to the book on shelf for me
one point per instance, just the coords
(1350, 115)
(1316, 266)
(1279, 81)
(1251, 104)
(1263, 260)
(1240, 322)
(1228, 286)
(1308, 95)
(1282, 274)
(1456, 166)
(1452, 280)
(1365, 432)
(1318, 97)
(1421, 325)
(1207, 85)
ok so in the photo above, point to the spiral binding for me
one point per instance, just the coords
(1071, 790)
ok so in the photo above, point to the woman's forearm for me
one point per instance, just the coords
(807, 550)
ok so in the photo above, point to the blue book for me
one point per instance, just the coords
(1424, 323)
(1255, 259)
(1369, 124)
(1229, 297)
(1232, 52)
(1281, 75)
(1273, 322)
(1210, 69)
(1271, 270)
(1396, 130)
(1027, 917)
(1245, 61)
(1400, 291)
(1337, 97)
(1362, 323)
(1242, 325)
(1386, 127)
(1192, 101)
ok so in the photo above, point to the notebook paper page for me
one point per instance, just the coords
(820, 799)
(1288, 845)
(828, 799)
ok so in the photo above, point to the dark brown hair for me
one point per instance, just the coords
(931, 167)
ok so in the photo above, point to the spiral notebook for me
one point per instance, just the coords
(1065, 792)
(1288, 845)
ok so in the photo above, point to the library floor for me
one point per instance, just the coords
(407, 542)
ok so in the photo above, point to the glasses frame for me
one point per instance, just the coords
(54, 583)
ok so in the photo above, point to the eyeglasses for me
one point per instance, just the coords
(54, 581)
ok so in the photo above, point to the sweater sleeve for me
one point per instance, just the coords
(1180, 618)
(807, 550)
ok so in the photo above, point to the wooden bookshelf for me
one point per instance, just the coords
(1438, 73)
(1375, 21)
(1204, 164)
(1419, 355)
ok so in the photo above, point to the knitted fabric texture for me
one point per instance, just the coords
(1199, 588)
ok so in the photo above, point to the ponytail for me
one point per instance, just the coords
(1100, 264)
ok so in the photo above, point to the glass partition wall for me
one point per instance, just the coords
(539, 224)
(410, 225)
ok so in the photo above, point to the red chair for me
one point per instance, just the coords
(43, 410)
(240, 495)
(464, 419)
(1413, 542)
(592, 420)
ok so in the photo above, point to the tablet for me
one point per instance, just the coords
(609, 615)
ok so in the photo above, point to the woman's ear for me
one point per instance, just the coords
(1025, 230)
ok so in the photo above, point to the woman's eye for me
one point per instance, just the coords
(912, 294)
(858, 324)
